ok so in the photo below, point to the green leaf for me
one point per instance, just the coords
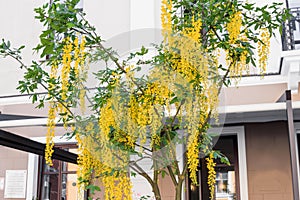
(93, 188)
(21, 47)
(70, 25)
(138, 68)
(133, 174)
(34, 98)
(163, 173)
(174, 100)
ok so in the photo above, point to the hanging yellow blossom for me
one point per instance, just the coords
(117, 187)
(66, 67)
(238, 60)
(193, 156)
(166, 19)
(263, 49)
(191, 67)
(51, 121)
(82, 76)
(234, 27)
(85, 161)
(77, 58)
(211, 180)
(50, 133)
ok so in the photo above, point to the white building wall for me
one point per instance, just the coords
(17, 24)
(294, 3)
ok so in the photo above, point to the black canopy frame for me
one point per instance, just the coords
(24, 144)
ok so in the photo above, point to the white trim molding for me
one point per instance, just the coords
(291, 69)
(32, 176)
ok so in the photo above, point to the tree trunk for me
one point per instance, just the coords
(179, 190)
(156, 191)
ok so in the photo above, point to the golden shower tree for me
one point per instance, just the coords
(128, 117)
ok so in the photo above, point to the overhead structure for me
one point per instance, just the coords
(24, 144)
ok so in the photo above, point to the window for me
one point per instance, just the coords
(227, 176)
(58, 182)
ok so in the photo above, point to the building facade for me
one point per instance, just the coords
(260, 116)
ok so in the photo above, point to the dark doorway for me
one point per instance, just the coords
(227, 176)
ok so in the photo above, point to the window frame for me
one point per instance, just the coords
(60, 172)
(33, 166)
(297, 134)
(239, 131)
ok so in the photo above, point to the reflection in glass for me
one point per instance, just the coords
(225, 184)
(50, 187)
(69, 167)
(54, 168)
(69, 188)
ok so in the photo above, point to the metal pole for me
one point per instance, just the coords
(292, 144)
(287, 4)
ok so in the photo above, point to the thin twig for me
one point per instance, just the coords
(42, 84)
(177, 112)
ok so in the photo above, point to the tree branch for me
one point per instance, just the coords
(141, 172)
(172, 175)
(42, 84)
(177, 112)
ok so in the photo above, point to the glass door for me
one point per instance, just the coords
(59, 182)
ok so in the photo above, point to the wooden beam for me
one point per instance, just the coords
(24, 144)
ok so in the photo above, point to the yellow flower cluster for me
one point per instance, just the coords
(51, 121)
(66, 67)
(76, 57)
(141, 112)
(79, 55)
(237, 60)
(263, 49)
(79, 59)
(192, 63)
(85, 160)
(137, 119)
(65, 73)
(82, 94)
(194, 32)
(166, 18)
(191, 67)
(107, 120)
(73, 57)
(234, 27)
(87, 163)
(50, 133)
(238, 65)
(211, 174)
(193, 156)
(99, 158)
(156, 93)
(117, 187)
(196, 113)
